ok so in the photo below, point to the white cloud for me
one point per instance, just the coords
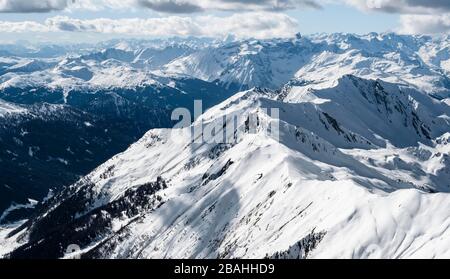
(235, 5)
(242, 25)
(27, 6)
(164, 6)
(257, 18)
(425, 24)
(97, 5)
(171, 6)
(191, 6)
(416, 16)
(22, 26)
(403, 6)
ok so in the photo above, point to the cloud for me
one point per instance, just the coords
(27, 6)
(265, 5)
(163, 6)
(193, 6)
(242, 25)
(403, 6)
(22, 26)
(425, 24)
(170, 6)
(416, 16)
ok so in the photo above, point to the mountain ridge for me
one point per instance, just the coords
(270, 193)
(333, 146)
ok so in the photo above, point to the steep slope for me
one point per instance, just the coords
(56, 136)
(248, 63)
(306, 191)
(85, 103)
(382, 113)
(51, 146)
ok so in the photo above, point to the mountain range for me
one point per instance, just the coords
(359, 166)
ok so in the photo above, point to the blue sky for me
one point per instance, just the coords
(88, 20)
(343, 18)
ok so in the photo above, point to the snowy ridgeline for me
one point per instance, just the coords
(360, 169)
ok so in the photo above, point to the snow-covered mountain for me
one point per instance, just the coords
(419, 61)
(415, 60)
(334, 182)
(248, 63)
(109, 85)
(49, 137)
(123, 64)
(359, 168)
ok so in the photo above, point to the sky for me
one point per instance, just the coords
(95, 20)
